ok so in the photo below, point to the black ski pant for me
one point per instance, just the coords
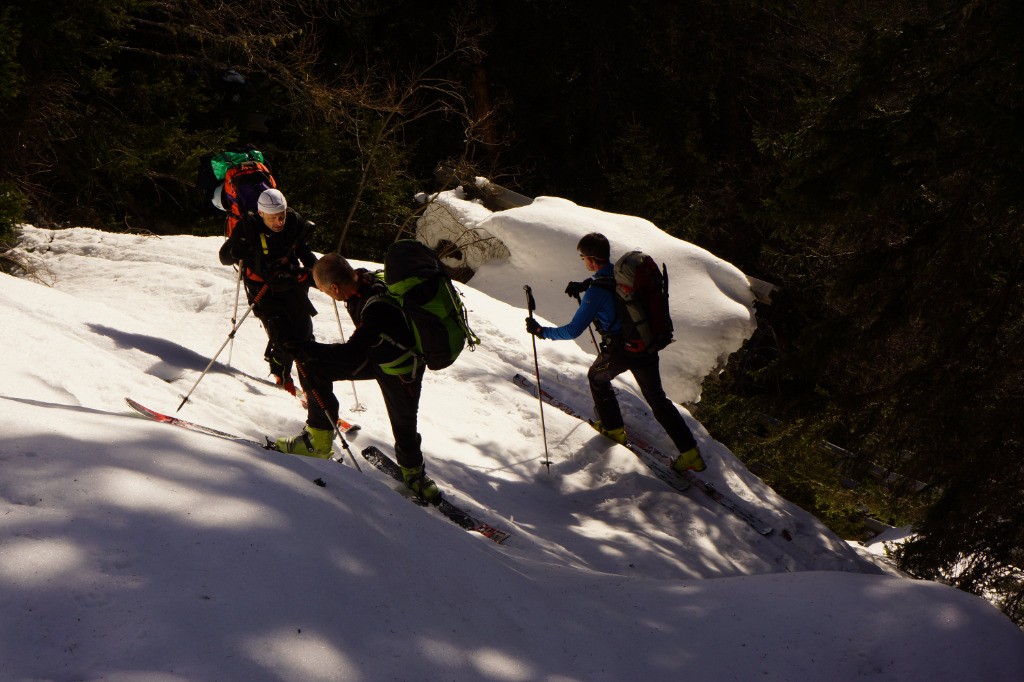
(645, 369)
(286, 316)
(401, 399)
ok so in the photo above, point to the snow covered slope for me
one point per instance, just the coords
(131, 550)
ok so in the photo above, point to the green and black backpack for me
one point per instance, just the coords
(418, 283)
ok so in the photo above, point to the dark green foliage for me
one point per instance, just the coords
(792, 457)
(13, 205)
(12, 211)
(100, 124)
(973, 537)
(910, 268)
(110, 127)
(639, 155)
(11, 75)
(899, 248)
(323, 187)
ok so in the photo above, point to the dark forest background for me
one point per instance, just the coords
(865, 157)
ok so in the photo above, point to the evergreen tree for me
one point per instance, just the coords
(900, 252)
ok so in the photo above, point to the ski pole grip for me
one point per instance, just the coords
(531, 304)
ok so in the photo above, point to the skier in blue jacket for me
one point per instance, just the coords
(616, 356)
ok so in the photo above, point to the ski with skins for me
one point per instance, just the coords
(658, 462)
(346, 427)
(456, 515)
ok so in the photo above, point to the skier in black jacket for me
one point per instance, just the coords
(272, 251)
(380, 349)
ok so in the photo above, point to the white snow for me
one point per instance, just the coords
(131, 550)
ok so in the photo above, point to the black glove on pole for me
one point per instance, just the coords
(574, 289)
(531, 305)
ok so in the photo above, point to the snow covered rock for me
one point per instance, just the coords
(711, 300)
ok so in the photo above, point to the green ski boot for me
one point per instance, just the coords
(310, 443)
(618, 435)
(417, 481)
(689, 461)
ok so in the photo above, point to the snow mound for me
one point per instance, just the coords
(711, 300)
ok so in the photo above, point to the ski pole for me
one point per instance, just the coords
(531, 305)
(255, 300)
(358, 407)
(589, 327)
(323, 406)
(234, 312)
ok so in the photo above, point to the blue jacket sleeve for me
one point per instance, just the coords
(597, 303)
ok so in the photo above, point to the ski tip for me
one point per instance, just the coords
(491, 533)
(348, 427)
(137, 406)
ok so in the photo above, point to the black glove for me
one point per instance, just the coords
(282, 275)
(230, 253)
(534, 328)
(280, 283)
(299, 350)
(574, 289)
